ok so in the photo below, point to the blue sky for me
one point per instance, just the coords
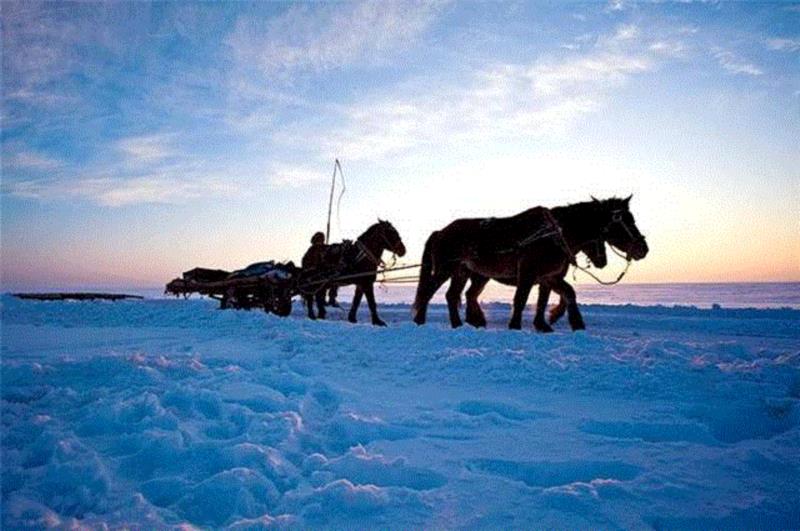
(142, 139)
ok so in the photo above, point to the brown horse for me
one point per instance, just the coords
(535, 246)
(325, 266)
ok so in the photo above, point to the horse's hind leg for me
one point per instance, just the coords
(475, 315)
(541, 303)
(424, 294)
(430, 278)
(351, 316)
(557, 311)
(566, 291)
(453, 296)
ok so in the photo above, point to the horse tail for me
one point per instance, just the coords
(426, 271)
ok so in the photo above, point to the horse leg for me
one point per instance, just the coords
(475, 315)
(567, 292)
(354, 307)
(333, 292)
(429, 280)
(373, 308)
(453, 296)
(424, 295)
(310, 305)
(541, 303)
(320, 297)
(557, 311)
(524, 285)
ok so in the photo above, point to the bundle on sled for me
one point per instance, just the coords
(268, 285)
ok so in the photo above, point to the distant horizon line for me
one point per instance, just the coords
(84, 287)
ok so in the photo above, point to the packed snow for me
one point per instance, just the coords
(164, 413)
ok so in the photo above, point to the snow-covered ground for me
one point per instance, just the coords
(159, 413)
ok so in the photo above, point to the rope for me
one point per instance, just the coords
(600, 281)
(301, 287)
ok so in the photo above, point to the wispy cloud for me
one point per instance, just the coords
(505, 102)
(784, 45)
(735, 64)
(136, 170)
(118, 192)
(321, 37)
(612, 60)
(285, 175)
(147, 148)
(29, 160)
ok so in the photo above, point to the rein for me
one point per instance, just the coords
(599, 280)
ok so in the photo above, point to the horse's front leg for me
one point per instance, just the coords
(475, 315)
(356, 302)
(369, 291)
(320, 298)
(453, 296)
(524, 285)
(310, 306)
(566, 291)
(539, 322)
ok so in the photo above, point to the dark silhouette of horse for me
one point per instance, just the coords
(349, 262)
(535, 246)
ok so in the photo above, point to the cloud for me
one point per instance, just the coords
(507, 102)
(118, 192)
(610, 62)
(735, 64)
(286, 175)
(28, 160)
(784, 45)
(146, 149)
(322, 37)
(135, 170)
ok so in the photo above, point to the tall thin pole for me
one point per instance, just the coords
(330, 200)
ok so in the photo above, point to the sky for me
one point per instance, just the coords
(140, 140)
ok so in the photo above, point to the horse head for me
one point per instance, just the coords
(620, 228)
(391, 238)
(595, 250)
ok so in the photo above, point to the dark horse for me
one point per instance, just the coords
(346, 263)
(535, 246)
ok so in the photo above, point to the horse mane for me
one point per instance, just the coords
(373, 228)
(590, 208)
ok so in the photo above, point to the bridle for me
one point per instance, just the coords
(616, 218)
(364, 252)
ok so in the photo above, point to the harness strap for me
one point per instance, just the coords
(364, 252)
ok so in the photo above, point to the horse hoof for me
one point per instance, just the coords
(477, 323)
(419, 321)
(514, 326)
(546, 329)
(378, 322)
(456, 325)
(352, 319)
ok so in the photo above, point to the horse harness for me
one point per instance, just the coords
(364, 252)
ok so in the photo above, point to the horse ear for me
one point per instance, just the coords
(594, 199)
(627, 200)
